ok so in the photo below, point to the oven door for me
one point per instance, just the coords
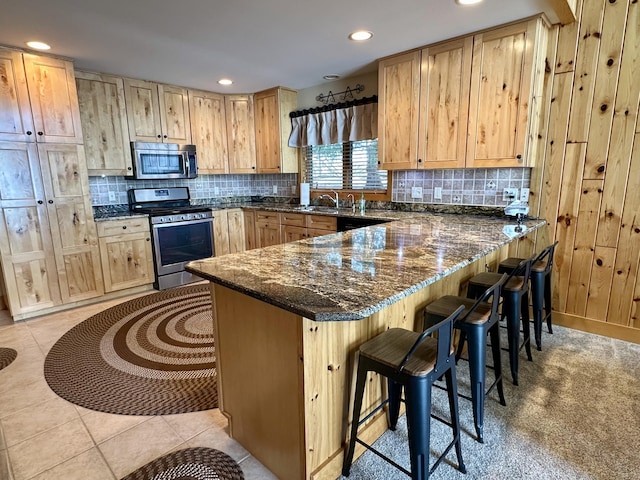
(176, 244)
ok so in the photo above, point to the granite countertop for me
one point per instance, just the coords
(350, 275)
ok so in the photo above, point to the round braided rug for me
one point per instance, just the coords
(7, 355)
(190, 464)
(153, 355)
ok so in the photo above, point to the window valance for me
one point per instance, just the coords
(338, 123)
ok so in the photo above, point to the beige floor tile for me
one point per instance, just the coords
(5, 471)
(49, 449)
(36, 419)
(27, 368)
(87, 466)
(17, 337)
(188, 425)
(23, 396)
(139, 445)
(254, 470)
(220, 440)
(103, 426)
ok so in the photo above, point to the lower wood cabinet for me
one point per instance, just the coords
(267, 229)
(250, 238)
(125, 253)
(228, 231)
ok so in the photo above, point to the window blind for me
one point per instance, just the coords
(348, 166)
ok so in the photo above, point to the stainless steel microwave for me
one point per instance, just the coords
(156, 161)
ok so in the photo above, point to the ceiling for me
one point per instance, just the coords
(258, 44)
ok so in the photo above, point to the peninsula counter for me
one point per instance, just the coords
(289, 318)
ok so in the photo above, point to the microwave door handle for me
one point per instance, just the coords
(185, 159)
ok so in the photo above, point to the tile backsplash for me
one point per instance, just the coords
(469, 186)
(204, 186)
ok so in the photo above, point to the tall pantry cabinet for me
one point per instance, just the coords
(48, 242)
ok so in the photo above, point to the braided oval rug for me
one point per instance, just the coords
(7, 355)
(153, 355)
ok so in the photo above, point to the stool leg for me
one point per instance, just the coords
(547, 300)
(537, 294)
(418, 400)
(512, 311)
(395, 392)
(450, 377)
(461, 340)
(494, 333)
(476, 342)
(357, 405)
(526, 328)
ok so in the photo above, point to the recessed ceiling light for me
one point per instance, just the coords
(38, 45)
(225, 81)
(331, 76)
(361, 35)
(467, 2)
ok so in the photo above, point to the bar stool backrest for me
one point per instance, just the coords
(548, 254)
(523, 270)
(444, 328)
(494, 292)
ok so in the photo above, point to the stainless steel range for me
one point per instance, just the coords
(181, 232)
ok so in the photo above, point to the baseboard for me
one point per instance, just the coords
(610, 330)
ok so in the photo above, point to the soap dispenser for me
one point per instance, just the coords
(362, 204)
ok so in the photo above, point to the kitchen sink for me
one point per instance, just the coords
(312, 208)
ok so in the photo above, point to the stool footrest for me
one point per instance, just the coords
(384, 457)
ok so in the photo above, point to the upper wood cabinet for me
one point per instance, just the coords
(209, 131)
(38, 99)
(241, 138)
(461, 103)
(273, 127)
(156, 112)
(104, 124)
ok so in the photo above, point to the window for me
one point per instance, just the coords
(345, 166)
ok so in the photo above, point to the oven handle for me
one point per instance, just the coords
(185, 222)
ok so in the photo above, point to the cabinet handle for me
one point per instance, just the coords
(519, 157)
(165, 136)
(148, 239)
(124, 227)
(253, 168)
(159, 136)
(128, 168)
(50, 201)
(40, 133)
(40, 202)
(419, 160)
(29, 132)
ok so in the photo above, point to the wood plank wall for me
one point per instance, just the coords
(587, 184)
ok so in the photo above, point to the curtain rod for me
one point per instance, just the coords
(335, 106)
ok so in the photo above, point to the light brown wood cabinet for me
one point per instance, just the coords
(228, 231)
(209, 131)
(104, 124)
(462, 103)
(267, 229)
(48, 242)
(156, 112)
(241, 137)
(273, 126)
(38, 99)
(125, 253)
(250, 238)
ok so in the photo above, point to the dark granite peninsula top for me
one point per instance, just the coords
(350, 275)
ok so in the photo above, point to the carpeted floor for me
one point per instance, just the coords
(153, 355)
(575, 415)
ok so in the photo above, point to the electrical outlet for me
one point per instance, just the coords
(437, 193)
(416, 192)
(510, 194)
(112, 196)
(275, 189)
(294, 189)
(524, 195)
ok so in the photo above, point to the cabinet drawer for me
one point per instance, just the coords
(293, 219)
(322, 222)
(268, 217)
(118, 227)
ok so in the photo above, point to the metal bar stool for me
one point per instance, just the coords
(515, 305)
(479, 319)
(540, 288)
(413, 361)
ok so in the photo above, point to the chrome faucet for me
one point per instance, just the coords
(335, 200)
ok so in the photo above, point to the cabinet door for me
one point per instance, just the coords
(398, 110)
(267, 120)
(174, 114)
(143, 110)
(104, 124)
(267, 234)
(250, 239)
(290, 233)
(220, 233)
(54, 100)
(502, 73)
(444, 104)
(240, 133)
(73, 229)
(16, 122)
(209, 131)
(236, 230)
(28, 262)
(126, 261)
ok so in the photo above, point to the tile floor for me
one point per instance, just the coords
(42, 436)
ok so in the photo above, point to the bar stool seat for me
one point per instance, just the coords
(515, 306)
(479, 319)
(411, 361)
(540, 288)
